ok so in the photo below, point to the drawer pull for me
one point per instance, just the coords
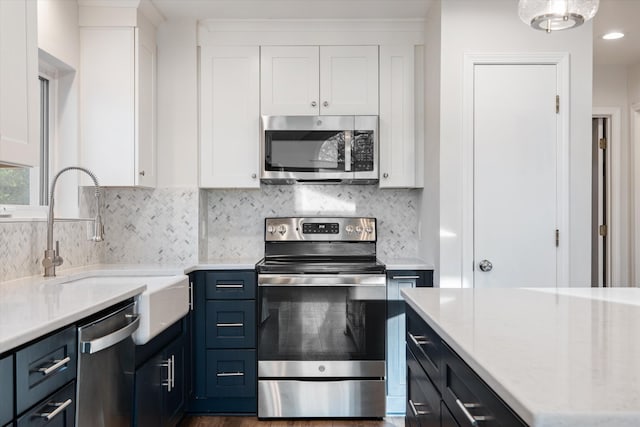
(474, 420)
(418, 340)
(229, 325)
(230, 286)
(60, 406)
(57, 364)
(404, 277)
(230, 374)
(417, 413)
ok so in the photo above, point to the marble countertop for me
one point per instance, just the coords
(406, 264)
(557, 357)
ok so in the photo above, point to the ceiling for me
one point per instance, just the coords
(613, 14)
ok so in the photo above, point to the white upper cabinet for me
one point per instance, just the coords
(19, 125)
(325, 80)
(401, 116)
(118, 102)
(349, 80)
(229, 117)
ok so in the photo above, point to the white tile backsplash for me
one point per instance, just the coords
(235, 223)
(184, 226)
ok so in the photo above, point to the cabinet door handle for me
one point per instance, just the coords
(473, 419)
(418, 340)
(57, 364)
(417, 413)
(229, 325)
(405, 277)
(222, 286)
(173, 372)
(314, 104)
(230, 374)
(169, 381)
(60, 406)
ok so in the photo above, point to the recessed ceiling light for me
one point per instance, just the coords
(613, 36)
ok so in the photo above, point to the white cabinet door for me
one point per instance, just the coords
(107, 114)
(349, 80)
(289, 80)
(397, 117)
(19, 125)
(145, 150)
(118, 104)
(229, 117)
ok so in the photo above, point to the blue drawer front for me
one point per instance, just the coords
(231, 373)
(239, 284)
(32, 383)
(231, 324)
(63, 402)
(6, 390)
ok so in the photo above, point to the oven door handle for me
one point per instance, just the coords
(316, 280)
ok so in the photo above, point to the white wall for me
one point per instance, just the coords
(429, 212)
(177, 104)
(59, 38)
(470, 26)
(634, 99)
(610, 90)
(634, 84)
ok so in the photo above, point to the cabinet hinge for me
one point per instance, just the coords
(557, 237)
(602, 143)
(557, 104)
(602, 230)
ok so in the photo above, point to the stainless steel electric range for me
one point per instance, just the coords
(322, 311)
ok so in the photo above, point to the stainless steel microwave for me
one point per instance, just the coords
(319, 149)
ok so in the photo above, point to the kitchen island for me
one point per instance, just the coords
(556, 357)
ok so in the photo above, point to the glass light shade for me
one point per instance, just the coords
(553, 15)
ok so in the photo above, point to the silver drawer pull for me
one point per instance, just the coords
(418, 340)
(404, 277)
(417, 413)
(60, 406)
(57, 364)
(230, 374)
(474, 420)
(229, 286)
(229, 325)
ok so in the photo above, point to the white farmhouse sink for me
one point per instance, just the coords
(165, 301)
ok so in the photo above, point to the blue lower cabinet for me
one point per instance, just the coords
(6, 390)
(58, 410)
(223, 343)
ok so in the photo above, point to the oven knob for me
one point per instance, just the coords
(359, 229)
(282, 229)
(369, 230)
(271, 229)
(349, 229)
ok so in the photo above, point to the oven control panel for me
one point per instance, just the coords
(320, 229)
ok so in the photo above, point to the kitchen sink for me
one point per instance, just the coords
(165, 301)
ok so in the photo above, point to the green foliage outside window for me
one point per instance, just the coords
(14, 186)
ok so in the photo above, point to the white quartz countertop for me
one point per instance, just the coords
(557, 357)
(406, 264)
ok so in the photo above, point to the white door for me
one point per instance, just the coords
(145, 108)
(515, 175)
(349, 80)
(229, 117)
(289, 80)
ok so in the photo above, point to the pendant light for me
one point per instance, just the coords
(553, 15)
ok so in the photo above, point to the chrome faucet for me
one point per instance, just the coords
(52, 257)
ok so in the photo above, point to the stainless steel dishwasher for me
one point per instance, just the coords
(106, 366)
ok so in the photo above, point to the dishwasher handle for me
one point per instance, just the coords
(99, 344)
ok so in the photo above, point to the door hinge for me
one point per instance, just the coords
(602, 143)
(557, 237)
(557, 104)
(602, 230)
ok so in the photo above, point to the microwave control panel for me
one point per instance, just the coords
(363, 151)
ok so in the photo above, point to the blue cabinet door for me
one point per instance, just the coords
(148, 393)
(6, 390)
(57, 410)
(231, 324)
(174, 397)
(230, 284)
(231, 373)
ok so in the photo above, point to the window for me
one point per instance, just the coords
(23, 191)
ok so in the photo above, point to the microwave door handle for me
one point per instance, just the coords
(348, 141)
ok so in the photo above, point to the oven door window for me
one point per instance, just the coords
(304, 151)
(322, 323)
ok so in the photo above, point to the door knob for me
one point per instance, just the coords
(485, 265)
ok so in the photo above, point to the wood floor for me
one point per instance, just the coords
(207, 421)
